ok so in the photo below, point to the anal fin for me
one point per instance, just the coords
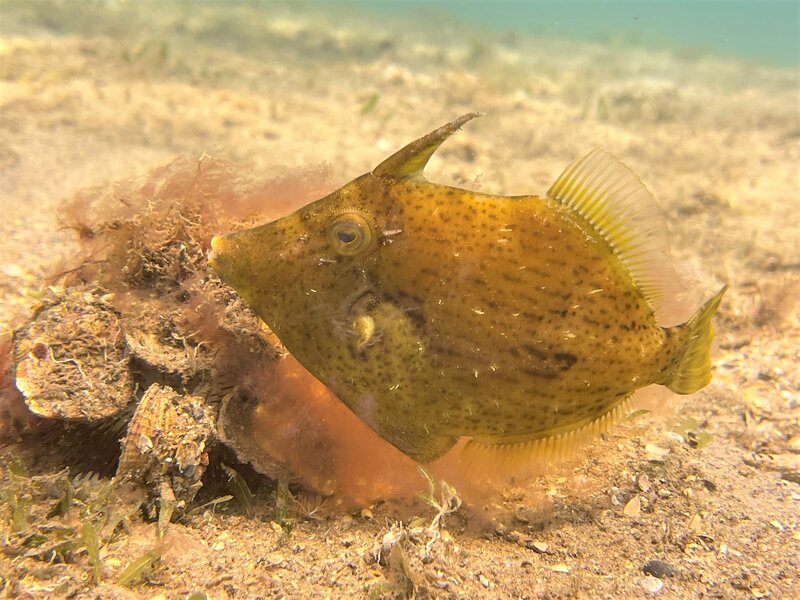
(534, 455)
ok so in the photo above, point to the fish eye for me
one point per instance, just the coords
(350, 234)
(347, 236)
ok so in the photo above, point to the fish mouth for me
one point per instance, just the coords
(216, 249)
(219, 257)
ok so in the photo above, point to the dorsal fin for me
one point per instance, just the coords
(615, 202)
(411, 160)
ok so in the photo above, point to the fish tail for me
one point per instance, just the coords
(693, 371)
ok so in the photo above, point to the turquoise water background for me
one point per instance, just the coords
(766, 31)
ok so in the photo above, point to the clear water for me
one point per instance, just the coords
(762, 31)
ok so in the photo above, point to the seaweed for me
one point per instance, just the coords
(57, 518)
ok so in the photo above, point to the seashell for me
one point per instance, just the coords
(165, 444)
(72, 358)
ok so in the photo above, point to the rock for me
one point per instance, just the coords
(655, 453)
(633, 508)
(658, 568)
(650, 584)
(540, 547)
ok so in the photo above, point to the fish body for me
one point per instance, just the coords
(435, 312)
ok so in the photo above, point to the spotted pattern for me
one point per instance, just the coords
(492, 317)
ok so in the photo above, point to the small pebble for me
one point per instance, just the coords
(540, 547)
(658, 568)
(560, 568)
(650, 584)
(656, 453)
(644, 482)
(776, 524)
(634, 507)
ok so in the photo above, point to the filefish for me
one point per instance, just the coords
(436, 313)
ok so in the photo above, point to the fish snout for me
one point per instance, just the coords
(223, 257)
(231, 260)
(217, 245)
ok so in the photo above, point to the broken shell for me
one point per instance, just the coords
(165, 444)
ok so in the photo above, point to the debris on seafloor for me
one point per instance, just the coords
(134, 338)
(72, 360)
(166, 445)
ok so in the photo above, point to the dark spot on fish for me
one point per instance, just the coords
(428, 271)
(579, 270)
(533, 316)
(537, 373)
(444, 350)
(511, 278)
(565, 360)
(532, 351)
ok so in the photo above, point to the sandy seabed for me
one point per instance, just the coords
(90, 98)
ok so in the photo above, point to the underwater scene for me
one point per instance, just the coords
(399, 299)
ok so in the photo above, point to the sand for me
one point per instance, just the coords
(87, 98)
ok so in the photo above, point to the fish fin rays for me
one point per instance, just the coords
(410, 161)
(693, 372)
(533, 456)
(616, 204)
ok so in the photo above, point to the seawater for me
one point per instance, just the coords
(766, 31)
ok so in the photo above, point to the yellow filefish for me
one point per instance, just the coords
(435, 312)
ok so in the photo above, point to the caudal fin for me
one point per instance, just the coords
(694, 370)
